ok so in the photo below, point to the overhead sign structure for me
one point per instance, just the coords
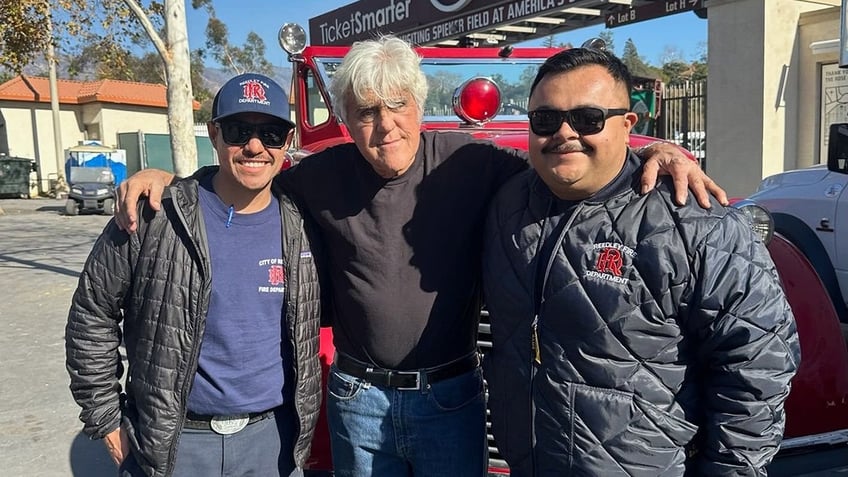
(651, 11)
(423, 21)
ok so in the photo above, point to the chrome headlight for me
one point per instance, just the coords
(292, 38)
(76, 190)
(761, 222)
(102, 191)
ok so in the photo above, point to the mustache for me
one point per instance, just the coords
(258, 157)
(566, 147)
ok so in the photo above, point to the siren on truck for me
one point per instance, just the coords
(477, 101)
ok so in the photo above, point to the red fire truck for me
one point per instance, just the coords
(484, 92)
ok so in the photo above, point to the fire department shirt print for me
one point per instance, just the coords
(276, 274)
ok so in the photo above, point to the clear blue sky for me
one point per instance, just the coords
(684, 32)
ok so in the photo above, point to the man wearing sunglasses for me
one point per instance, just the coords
(216, 297)
(631, 336)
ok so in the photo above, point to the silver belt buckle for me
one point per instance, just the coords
(417, 375)
(226, 425)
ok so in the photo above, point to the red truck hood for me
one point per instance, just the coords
(509, 137)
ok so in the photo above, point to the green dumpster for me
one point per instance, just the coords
(14, 177)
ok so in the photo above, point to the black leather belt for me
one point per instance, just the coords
(204, 422)
(406, 380)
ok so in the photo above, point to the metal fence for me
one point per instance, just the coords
(683, 117)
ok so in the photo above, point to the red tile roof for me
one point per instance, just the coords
(37, 89)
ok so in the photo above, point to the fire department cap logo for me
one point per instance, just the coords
(448, 7)
(251, 93)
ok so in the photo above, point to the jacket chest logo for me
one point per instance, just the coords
(610, 260)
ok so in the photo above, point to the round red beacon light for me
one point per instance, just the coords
(477, 101)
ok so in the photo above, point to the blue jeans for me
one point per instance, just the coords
(439, 430)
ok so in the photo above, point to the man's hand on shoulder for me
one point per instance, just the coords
(150, 183)
(666, 158)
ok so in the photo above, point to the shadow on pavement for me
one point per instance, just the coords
(51, 208)
(89, 458)
(38, 265)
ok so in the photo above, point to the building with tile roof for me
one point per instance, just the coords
(89, 111)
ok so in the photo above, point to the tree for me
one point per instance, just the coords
(671, 54)
(608, 38)
(248, 58)
(442, 85)
(525, 79)
(173, 49)
(676, 72)
(699, 67)
(634, 62)
(23, 36)
(201, 92)
(147, 68)
(550, 42)
(110, 29)
(699, 71)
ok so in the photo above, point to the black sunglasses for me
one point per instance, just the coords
(585, 121)
(237, 133)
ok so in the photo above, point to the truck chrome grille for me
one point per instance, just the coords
(484, 344)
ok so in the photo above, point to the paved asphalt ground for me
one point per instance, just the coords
(41, 254)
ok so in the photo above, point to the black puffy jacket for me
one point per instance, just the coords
(666, 343)
(158, 282)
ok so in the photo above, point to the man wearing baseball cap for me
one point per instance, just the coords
(218, 311)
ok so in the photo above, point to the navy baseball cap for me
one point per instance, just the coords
(251, 93)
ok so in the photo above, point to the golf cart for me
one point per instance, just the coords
(92, 190)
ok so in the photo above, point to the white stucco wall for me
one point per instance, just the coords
(814, 27)
(30, 128)
(30, 134)
(117, 119)
(754, 122)
(734, 85)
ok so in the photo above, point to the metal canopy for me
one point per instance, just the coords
(480, 22)
(588, 13)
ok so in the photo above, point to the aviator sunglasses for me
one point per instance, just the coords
(584, 121)
(237, 133)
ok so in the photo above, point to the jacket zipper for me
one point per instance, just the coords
(535, 341)
(540, 300)
(294, 264)
(192, 365)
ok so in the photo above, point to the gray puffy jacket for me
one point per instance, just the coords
(666, 343)
(157, 282)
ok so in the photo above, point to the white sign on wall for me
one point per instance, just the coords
(834, 102)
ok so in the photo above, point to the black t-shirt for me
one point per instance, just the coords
(403, 254)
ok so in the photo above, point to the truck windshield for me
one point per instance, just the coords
(513, 77)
